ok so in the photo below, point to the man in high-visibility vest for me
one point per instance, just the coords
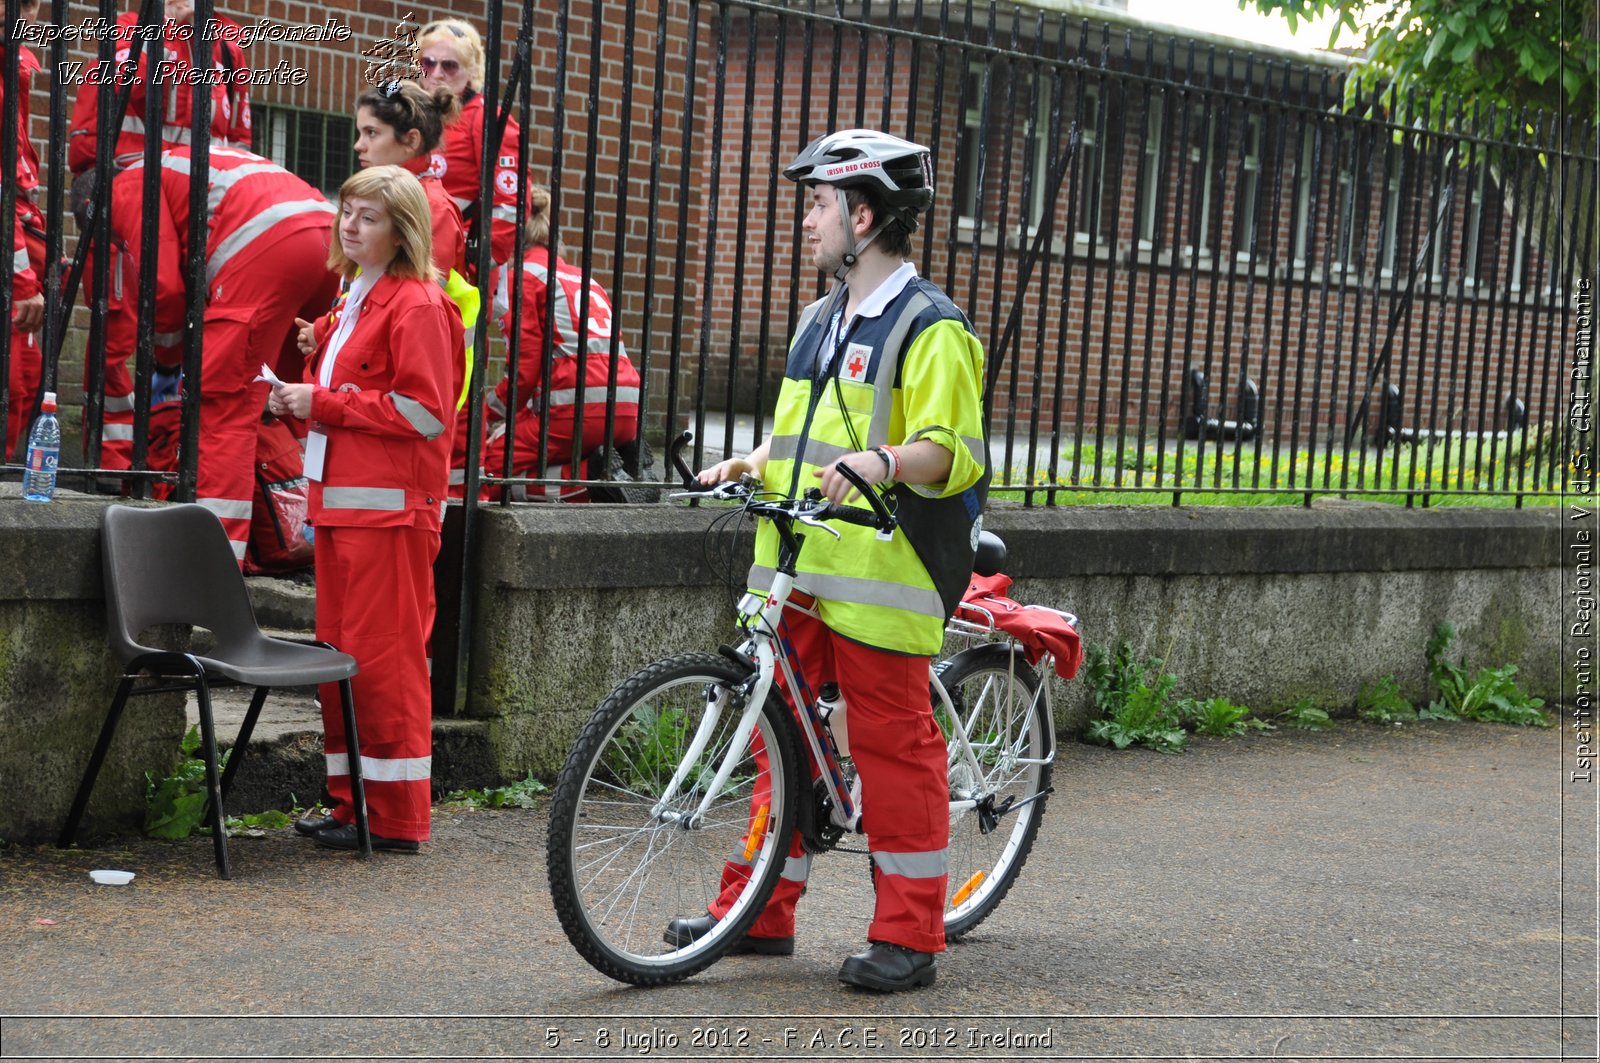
(885, 376)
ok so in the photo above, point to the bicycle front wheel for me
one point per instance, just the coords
(998, 698)
(629, 851)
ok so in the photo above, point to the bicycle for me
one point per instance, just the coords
(663, 782)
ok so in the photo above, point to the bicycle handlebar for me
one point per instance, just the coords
(810, 507)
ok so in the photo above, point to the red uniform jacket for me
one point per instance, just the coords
(251, 198)
(387, 462)
(457, 162)
(449, 231)
(230, 102)
(564, 384)
(26, 282)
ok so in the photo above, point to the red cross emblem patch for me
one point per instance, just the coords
(857, 357)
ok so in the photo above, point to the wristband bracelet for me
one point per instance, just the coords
(891, 461)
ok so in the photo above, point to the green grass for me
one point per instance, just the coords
(1452, 472)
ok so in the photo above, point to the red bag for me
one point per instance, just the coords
(278, 540)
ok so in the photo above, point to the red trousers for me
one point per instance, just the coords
(375, 602)
(27, 357)
(250, 320)
(561, 462)
(905, 792)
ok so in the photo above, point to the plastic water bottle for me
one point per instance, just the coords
(830, 706)
(44, 451)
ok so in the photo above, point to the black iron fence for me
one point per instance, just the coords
(1195, 270)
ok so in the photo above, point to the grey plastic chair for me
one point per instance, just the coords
(174, 565)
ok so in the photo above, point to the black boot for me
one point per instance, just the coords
(889, 968)
(689, 929)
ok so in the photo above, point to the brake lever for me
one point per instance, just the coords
(808, 518)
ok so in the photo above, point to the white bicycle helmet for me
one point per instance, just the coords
(900, 171)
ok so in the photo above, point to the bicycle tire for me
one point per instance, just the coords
(997, 694)
(620, 873)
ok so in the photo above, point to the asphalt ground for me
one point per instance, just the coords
(1421, 892)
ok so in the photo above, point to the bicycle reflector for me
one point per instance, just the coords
(758, 830)
(966, 890)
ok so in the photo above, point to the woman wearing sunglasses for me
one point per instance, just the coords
(451, 55)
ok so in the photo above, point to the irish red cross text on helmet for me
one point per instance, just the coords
(900, 172)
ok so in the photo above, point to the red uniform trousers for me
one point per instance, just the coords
(901, 757)
(561, 461)
(27, 357)
(250, 320)
(374, 602)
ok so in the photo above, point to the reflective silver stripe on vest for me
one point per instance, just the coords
(376, 769)
(889, 368)
(417, 415)
(568, 396)
(119, 404)
(222, 180)
(858, 590)
(797, 868)
(496, 404)
(241, 237)
(458, 476)
(504, 213)
(387, 498)
(818, 453)
(118, 433)
(19, 261)
(913, 865)
(228, 508)
(975, 448)
(738, 857)
(168, 339)
(172, 131)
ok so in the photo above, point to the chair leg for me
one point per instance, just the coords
(81, 801)
(246, 729)
(208, 745)
(358, 788)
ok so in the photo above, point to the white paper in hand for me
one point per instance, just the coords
(268, 375)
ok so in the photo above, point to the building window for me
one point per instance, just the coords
(1091, 166)
(1207, 171)
(1247, 199)
(972, 132)
(315, 146)
(1151, 176)
(1305, 187)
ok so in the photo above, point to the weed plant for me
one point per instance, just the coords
(1491, 694)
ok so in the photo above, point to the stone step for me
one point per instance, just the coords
(284, 766)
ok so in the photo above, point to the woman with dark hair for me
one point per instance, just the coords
(377, 405)
(582, 323)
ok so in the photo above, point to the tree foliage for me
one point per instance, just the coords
(1517, 53)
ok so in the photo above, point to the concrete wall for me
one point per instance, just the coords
(57, 677)
(1264, 606)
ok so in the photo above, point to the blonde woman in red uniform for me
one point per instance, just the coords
(401, 124)
(377, 454)
(451, 54)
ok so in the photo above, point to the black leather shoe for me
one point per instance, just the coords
(688, 930)
(344, 836)
(310, 825)
(889, 968)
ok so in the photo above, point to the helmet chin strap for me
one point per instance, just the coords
(848, 262)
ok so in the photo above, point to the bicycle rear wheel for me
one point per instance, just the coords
(997, 696)
(622, 864)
